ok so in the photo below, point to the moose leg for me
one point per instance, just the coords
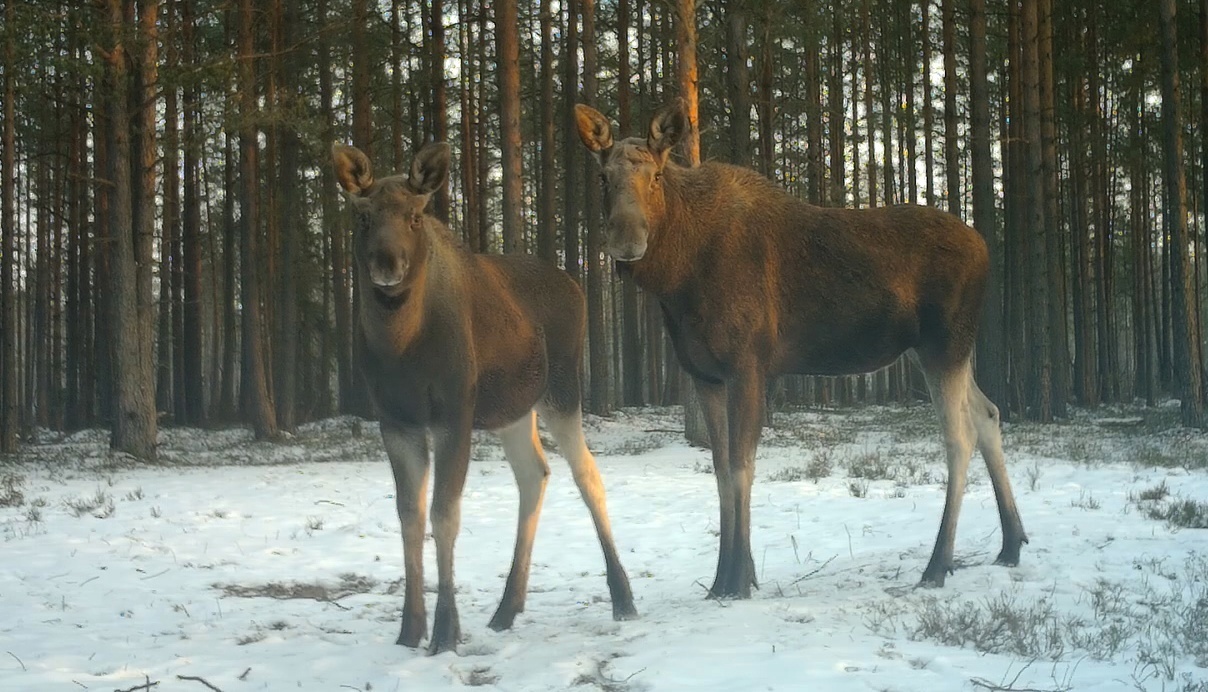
(949, 394)
(744, 415)
(408, 452)
(713, 403)
(989, 441)
(523, 450)
(567, 429)
(452, 460)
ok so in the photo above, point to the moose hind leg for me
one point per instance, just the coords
(408, 452)
(523, 450)
(949, 395)
(451, 460)
(567, 430)
(989, 442)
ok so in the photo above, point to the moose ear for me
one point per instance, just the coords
(594, 129)
(352, 169)
(429, 169)
(667, 127)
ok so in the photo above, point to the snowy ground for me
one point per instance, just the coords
(257, 566)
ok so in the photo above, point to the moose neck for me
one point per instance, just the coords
(390, 325)
(676, 240)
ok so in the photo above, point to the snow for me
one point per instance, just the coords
(277, 566)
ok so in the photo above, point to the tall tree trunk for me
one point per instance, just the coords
(631, 316)
(1041, 374)
(570, 147)
(290, 201)
(1183, 319)
(547, 236)
(738, 82)
(928, 107)
(869, 124)
(169, 391)
(1054, 267)
(835, 128)
(191, 343)
(952, 160)
(1109, 376)
(508, 57)
(134, 424)
(9, 396)
(599, 401)
(686, 70)
(439, 110)
(991, 351)
(260, 406)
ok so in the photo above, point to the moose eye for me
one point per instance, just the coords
(658, 176)
(417, 219)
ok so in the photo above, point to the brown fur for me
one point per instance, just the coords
(452, 341)
(754, 283)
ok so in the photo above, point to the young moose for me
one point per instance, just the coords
(755, 283)
(452, 341)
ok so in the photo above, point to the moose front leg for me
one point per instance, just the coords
(713, 404)
(744, 415)
(408, 452)
(452, 460)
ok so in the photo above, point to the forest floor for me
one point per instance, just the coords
(240, 565)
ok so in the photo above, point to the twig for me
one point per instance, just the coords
(987, 685)
(850, 554)
(23, 669)
(157, 574)
(145, 686)
(196, 678)
(243, 675)
(807, 575)
(350, 687)
(88, 580)
(663, 430)
(710, 597)
(329, 502)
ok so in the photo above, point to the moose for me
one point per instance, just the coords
(754, 283)
(451, 341)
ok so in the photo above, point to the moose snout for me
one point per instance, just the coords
(626, 239)
(387, 271)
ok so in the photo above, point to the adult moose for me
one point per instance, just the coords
(754, 283)
(451, 341)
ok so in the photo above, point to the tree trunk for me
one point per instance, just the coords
(1040, 380)
(260, 406)
(508, 57)
(928, 106)
(599, 400)
(134, 424)
(631, 316)
(991, 351)
(570, 144)
(191, 343)
(952, 158)
(9, 397)
(1054, 258)
(439, 111)
(1183, 319)
(290, 201)
(738, 83)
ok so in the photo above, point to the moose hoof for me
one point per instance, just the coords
(933, 577)
(624, 611)
(413, 630)
(446, 632)
(503, 619)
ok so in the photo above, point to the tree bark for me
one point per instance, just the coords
(134, 424)
(991, 351)
(952, 157)
(1183, 319)
(192, 379)
(508, 47)
(9, 398)
(1054, 267)
(260, 406)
